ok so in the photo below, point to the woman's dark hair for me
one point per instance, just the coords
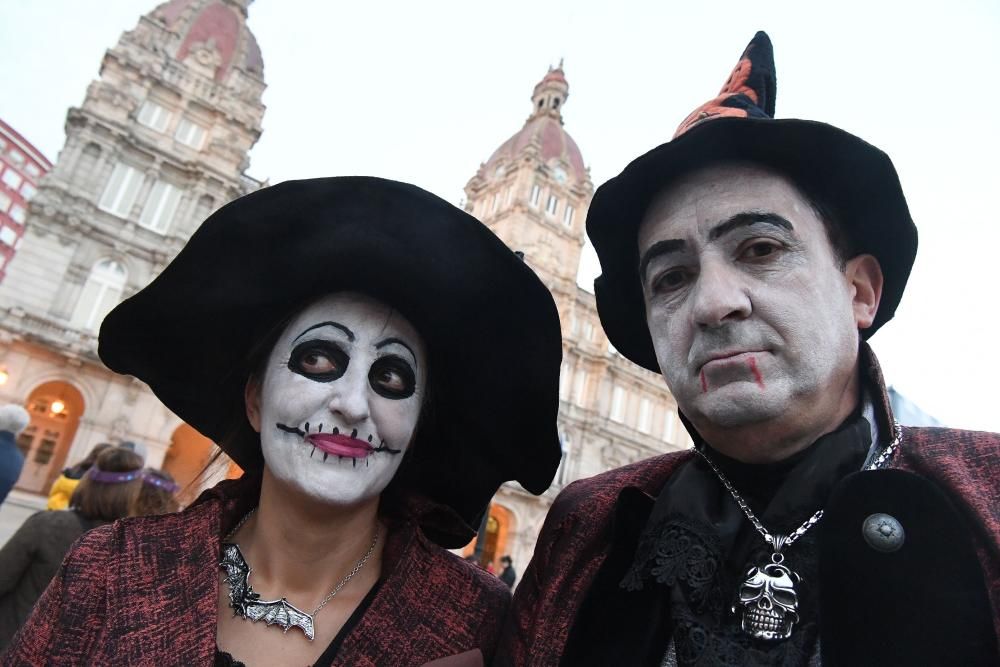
(153, 497)
(108, 501)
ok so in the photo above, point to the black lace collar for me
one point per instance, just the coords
(697, 543)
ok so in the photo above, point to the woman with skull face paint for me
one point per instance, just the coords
(378, 362)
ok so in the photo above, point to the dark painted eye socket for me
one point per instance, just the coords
(392, 377)
(318, 360)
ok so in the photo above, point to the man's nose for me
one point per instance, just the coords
(349, 401)
(720, 296)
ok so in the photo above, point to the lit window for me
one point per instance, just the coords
(17, 213)
(618, 404)
(669, 426)
(645, 416)
(536, 193)
(12, 179)
(552, 205)
(4, 202)
(7, 235)
(153, 115)
(189, 134)
(568, 216)
(33, 170)
(28, 190)
(160, 207)
(121, 191)
(16, 156)
(101, 293)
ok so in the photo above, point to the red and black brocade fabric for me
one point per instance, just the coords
(576, 537)
(144, 592)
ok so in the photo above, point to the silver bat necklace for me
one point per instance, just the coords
(248, 605)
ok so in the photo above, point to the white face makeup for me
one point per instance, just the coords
(751, 318)
(340, 397)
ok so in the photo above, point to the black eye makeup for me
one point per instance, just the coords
(318, 360)
(392, 377)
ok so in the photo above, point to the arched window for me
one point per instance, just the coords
(101, 293)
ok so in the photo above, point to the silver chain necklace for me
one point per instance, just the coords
(767, 600)
(248, 605)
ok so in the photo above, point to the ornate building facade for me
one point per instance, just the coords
(534, 192)
(160, 141)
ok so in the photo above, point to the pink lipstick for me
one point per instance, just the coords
(340, 445)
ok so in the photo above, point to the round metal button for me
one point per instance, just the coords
(883, 533)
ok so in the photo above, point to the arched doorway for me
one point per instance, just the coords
(499, 523)
(55, 408)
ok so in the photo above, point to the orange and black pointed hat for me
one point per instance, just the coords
(738, 125)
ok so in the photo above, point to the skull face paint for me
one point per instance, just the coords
(340, 397)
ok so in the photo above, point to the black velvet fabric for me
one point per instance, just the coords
(925, 604)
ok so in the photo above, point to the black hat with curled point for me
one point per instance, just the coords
(490, 327)
(856, 179)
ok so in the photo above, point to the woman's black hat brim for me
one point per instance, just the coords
(490, 326)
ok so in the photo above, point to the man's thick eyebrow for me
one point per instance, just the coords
(338, 325)
(748, 218)
(657, 249)
(397, 341)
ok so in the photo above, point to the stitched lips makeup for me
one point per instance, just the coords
(340, 445)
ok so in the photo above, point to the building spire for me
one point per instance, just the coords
(550, 93)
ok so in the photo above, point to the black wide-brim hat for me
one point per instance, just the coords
(489, 324)
(856, 179)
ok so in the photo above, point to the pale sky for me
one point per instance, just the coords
(425, 91)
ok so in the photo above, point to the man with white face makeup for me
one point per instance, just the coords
(747, 261)
(322, 332)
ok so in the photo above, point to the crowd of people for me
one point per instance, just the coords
(379, 363)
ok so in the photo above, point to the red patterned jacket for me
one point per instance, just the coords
(144, 592)
(576, 537)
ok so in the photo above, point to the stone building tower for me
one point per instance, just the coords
(159, 142)
(534, 192)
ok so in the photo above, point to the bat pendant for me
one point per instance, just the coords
(248, 604)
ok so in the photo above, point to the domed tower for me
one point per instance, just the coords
(533, 192)
(160, 141)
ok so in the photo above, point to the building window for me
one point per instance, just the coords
(7, 235)
(645, 416)
(28, 190)
(17, 214)
(506, 196)
(189, 134)
(4, 202)
(580, 388)
(16, 156)
(536, 193)
(568, 216)
(12, 179)
(160, 207)
(552, 205)
(618, 404)
(121, 191)
(153, 115)
(496, 202)
(33, 170)
(669, 426)
(101, 293)
(565, 374)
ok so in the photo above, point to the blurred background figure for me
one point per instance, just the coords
(114, 486)
(13, 419)
(508, 575)
(62, 489)
(158, 494)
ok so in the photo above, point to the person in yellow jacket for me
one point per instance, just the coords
(65, 484)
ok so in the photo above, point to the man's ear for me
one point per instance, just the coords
(251, 399)
(864, 274)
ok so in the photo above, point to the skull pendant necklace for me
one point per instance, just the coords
(767, 601)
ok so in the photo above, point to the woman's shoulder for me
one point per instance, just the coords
(463, 578)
